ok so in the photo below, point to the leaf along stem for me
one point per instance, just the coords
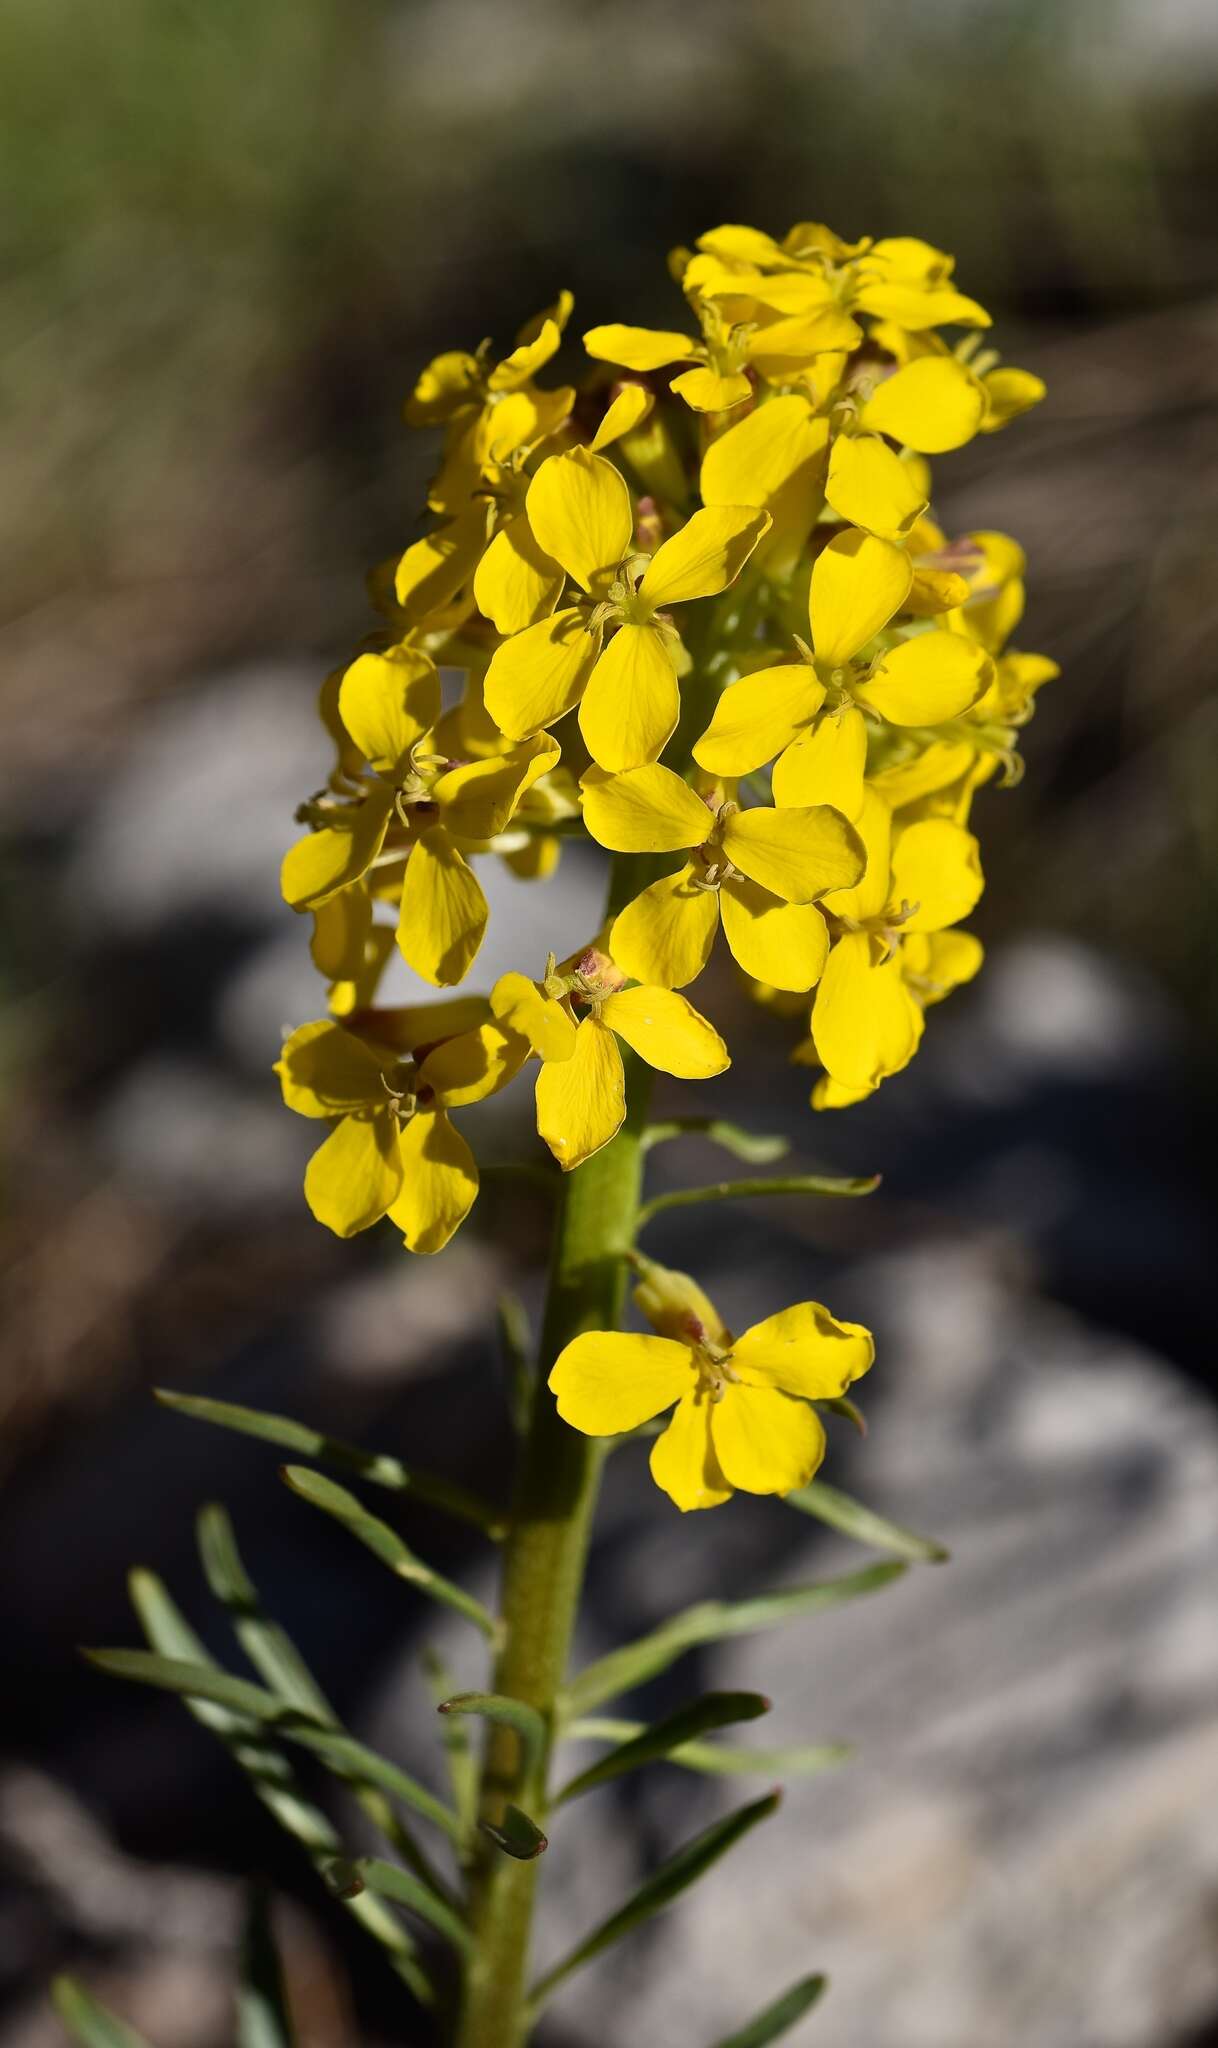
(744, 1190)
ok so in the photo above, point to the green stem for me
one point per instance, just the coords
(546, 1549)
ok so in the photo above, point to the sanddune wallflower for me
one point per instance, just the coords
(743, 1416)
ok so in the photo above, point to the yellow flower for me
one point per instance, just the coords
(580, 516)
(932, 965)
(759, 870)
(743, 1417)
(390, 1084)
(457, 382)
(866, 1019)
(581, 1087)
(417, 804)
(859, 584)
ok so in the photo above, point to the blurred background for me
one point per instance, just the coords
(233, 231)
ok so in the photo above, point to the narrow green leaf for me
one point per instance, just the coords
(517, 1835)
(755, 1148)
(458, 1749)
(651, 1745)
(275, 1657)
(269, 1648)
(744, 1190)
(262, 2006)
(272, 1777)
(88, 2020)
(778, 2018)
(853, 1519)
(664, 1885)
(385, 1543)
(516, 1352)
(708, 1622)
(377, 1469)
(392, 1883)
(508, 1713)
(197, 1681)
(719, 1759)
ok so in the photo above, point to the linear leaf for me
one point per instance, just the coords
(508, 1713)
(197, 1681)
(853, 1519)
(650, 1745)
(385, 1543)
(516, 1353)
(657, 1891)
(275, 1657)
(375, 1467)
(269, 1648)
(744, 1190)
(272, 1778)
(88, 2020)
(516, 1835)
(458, 1749)
(778, 2018)
(392, 1883)
(754, 1147)
(712, 1621)
(262, 2007)
(719, 1759)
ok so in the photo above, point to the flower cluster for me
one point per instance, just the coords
(696, 607)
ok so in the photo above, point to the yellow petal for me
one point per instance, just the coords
(640, 348)
(581, 1101)
(781, 348)
(665, 936)
(324, 862)
(579, 510)
(705, 556)
(479, 798)
(683, 1461)
(516, 583)
(324, 1071)
(937, 962)
(443, 915)
(340, 934)
(415, 1027)
(804, 1351)
(871, 487)
(472, 1065)
(781, 944)
(798, 852)
(388, 701)
(521, 1007)
(631, 703)
(434, 569)
(937, 866)
(756, 718)
(869, 895)
(523, 419)
(926, 679)
(708, 391)
(765, 1441)
(450, 381)
(538, 675)
(916, 310)
(830, 1094)
(858, 582)
(439, 1182)
(667, 1032)
(623, 413)
(605, 1382)
(644, 810)
(525, 361)
(865, 1023)
(352, 1179)
(825, 766)
(934, 591)
(932, 404)
(1007, 394)
(741, 245)
(752, 462)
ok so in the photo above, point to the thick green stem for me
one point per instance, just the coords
(545, 1553)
